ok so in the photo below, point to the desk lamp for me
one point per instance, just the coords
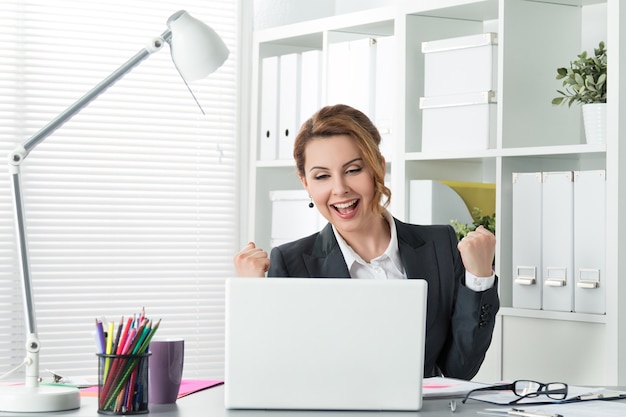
(196, 51)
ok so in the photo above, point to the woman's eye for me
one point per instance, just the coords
(321, 176)
(354, 170)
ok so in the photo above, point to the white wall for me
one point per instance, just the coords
(592, 32)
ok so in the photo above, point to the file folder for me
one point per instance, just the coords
(350, 74)
(589, 241)
(310, 84)
(527, 239)
(558, 241)
(338, 73)
(361, 79)
(384, 99)
(268, 131)
(288, 104)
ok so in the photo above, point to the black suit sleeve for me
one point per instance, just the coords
(278, 267)
(471, 326)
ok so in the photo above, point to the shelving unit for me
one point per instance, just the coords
(532, 135)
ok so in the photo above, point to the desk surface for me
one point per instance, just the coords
(210, 403)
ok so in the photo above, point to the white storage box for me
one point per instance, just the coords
(458, 122)
(465, 64)
(292, 218)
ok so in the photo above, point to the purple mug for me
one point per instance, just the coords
(165, 370)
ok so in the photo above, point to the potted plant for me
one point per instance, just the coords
(488, 222)
(584, 83)
(461, 229)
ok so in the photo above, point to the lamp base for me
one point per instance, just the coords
(44, 398)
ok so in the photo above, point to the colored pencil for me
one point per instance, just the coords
(100, 335)
(116, 342)
(109, 347)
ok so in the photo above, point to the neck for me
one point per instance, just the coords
(372, 242)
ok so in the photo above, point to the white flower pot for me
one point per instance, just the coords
(594, 118)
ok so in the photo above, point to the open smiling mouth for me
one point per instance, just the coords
(347, 207)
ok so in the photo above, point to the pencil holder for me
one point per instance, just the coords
(123, 384)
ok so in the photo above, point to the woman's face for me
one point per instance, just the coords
(339, 182)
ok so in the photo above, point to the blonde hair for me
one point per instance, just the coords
(341, 119)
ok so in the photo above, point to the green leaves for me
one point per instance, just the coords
(488, 222)
(585, 80)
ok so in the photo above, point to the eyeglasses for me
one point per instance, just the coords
(527, 389)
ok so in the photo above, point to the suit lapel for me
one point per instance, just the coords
(326, 259)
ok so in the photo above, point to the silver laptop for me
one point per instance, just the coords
(324, 344)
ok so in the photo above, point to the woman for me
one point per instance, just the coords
(340, 165)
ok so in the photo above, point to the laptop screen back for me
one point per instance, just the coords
(325, 344)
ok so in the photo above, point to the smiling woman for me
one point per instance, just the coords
(130, 204)
(340, 165)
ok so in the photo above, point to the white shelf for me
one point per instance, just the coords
(377, 21)
(443, 155)
(552, 315)
(534, 38)
(479, 10)
(582, 149)
(547, 151)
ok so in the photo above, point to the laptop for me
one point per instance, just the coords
(324, 344)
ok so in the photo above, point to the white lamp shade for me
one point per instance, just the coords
(197, 50)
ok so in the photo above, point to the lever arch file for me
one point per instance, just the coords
(310, 84)
(351, 73)
(383, 105)
(527, 222)
(589, 241)
(268, 134)
(558, 241)
(288, 104)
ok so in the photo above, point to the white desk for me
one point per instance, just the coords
(210, 403)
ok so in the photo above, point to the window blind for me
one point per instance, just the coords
(132, 203)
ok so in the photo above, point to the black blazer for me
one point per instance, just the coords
(459, 322)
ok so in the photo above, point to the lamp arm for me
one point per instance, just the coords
(15, 160)
(67, 114)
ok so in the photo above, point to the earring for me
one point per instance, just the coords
(311, 205)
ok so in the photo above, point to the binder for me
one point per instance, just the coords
(268, 129)
(589, 241)
(361, 86)
(527, 239)
(338, 73)
(350, 74)
(558, 241)
(310, 84)
(384, 96)
(288, 104)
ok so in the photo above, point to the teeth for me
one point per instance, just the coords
(345, 205)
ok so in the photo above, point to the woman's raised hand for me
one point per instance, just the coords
(251, 261)
(477, 251)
